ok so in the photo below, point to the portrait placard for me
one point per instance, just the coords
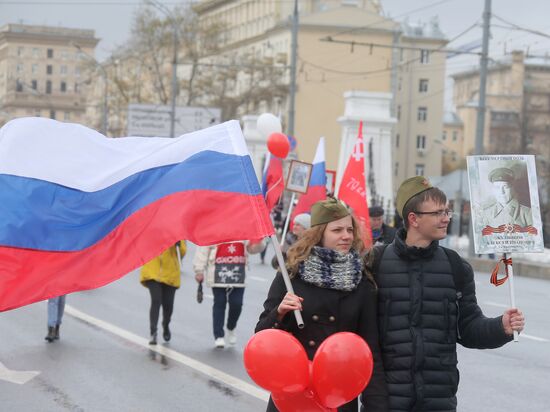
(299, 174)
(505, 204)
(331, 180)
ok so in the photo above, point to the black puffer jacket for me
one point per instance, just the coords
(421, 320)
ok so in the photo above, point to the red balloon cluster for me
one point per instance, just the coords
(341, 369)
(278, 144)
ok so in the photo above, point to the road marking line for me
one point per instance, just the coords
(257, 278)
(172, 354)
(19, 377)
(523, 335)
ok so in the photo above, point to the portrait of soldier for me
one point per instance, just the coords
(506, 209)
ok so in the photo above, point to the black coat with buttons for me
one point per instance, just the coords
(328, 311)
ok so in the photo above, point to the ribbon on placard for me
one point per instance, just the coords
(495, 280)
(509, 228)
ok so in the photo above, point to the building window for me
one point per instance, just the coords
(35, 52)
(399, 84)
(396, 169)
(67, 116)
(20, 68)
(48, 86)
(63, 87)
(398, 112)
(421, 142)
(423, 86)
(455, 136)
(52, 114)
(397, 140)
(63, 70)
(50, 53)
(20, 51)
(49, 69)
(424, 56)
(34, 84)
(18, 85)
(444, 135)
(34, 68)
(419, 169)
(422, 115)
(76, 88)
(454, 156)
(77, 71)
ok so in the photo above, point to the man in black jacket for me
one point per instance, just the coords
(426, 306)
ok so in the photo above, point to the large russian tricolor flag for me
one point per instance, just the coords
(80, 210)
(317, 189)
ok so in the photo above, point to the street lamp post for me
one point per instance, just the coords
(103, 72)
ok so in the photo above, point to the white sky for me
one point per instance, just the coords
(111, 20)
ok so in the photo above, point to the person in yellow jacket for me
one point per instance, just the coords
(161, 276)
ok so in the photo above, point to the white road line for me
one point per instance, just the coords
(523, 335)
(19, 377)
(257, 278)
(172, 354)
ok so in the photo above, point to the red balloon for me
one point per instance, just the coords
(277, 361)
(304, 401)
(342, 368)
(278, 145)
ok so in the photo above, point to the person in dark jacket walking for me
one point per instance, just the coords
(332, 289)
(423, 310)
(381, 233)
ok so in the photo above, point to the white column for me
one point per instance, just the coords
(374, 110)
(257, 145)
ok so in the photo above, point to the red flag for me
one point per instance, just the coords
(353, 188)
(272, 181)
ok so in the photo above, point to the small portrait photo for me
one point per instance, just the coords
(331, 180)
(299, 174)
(504, 203)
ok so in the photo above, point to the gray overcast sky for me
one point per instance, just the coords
(111, 20)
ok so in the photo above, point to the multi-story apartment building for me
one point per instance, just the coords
(452, 141)
(40, 71)
(517, 116)
(325, 70)
(419, 101)
(366, 60)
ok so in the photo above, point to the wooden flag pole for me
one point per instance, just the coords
(510, 271)
(288, 284)
(287, 220)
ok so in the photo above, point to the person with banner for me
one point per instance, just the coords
(332, 289)
(427, 304)
(225, 268)
(162, 276)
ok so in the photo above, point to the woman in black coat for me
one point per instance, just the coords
(334, 292)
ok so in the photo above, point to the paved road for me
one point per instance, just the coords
(103, 361)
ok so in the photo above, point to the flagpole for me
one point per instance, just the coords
(288, 284)
(510, 271)
(287, 220)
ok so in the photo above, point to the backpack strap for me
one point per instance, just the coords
(458, 270)
(378, 253)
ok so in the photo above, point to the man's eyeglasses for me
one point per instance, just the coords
(437, 213)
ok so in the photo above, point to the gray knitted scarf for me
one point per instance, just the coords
(330, 269)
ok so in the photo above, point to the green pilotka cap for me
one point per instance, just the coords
(409, 189)
(501, 174)
(326, 211)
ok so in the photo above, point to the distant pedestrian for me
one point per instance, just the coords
(225, 268)
(301, 223)
(56, 307)
(381, 233)
(162, 276)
